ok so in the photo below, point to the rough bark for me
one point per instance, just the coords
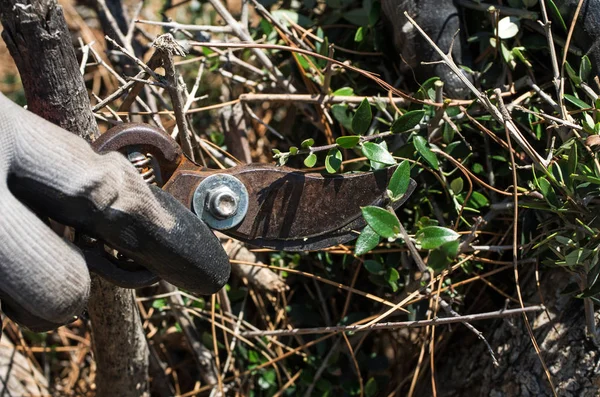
(38, 39)
(572, 359)
(36, 35)
(120, 346)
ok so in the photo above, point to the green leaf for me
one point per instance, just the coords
(427, 89)
(293, 150)
(374, 267)
(585, 68)
(576, 101)
(572, 160)
(577, 256)
(476, 201)
(434, 236)
(310, 160)
(392, 277)
(159, 304)
(457, 185)
(367, 240)
(381, 221)
(400, 180)
(357, 16)
(344, 91)
(362, 117)
(407, 121)
(359, 36)
(423, 149)
(374, 13)
(548, 191)
(378, 154)
(333, 161)
(556, 13)
(572, 74)
(440, 257)
(348, 142)
(371, 388)
(341, 114)
(307, 143)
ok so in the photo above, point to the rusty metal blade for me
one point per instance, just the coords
(292, 210)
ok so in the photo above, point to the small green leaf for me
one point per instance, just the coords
(434, 236)
(572, 74)
(548, 192)
(392, 277)
(557, 14)
(585, 68)
(310, 160)
(577, 256)
(440, 257)
(423, 149)
(307, 143)
(378, 154)
(374, 12)
(457, 185)
(348, 142)
(407, 121)
(293, 150)
(362, 117)
(371, 388)
(572, 160)
(374, 267)
(359, 36)
(333, 161)
(476, 200)
(399, 181)
(367, 240)
(427, 90)
(576, 101)
(344, 91)
(381, 221)
(341, 114)
(159, 304)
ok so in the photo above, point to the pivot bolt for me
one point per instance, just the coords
(222, 202)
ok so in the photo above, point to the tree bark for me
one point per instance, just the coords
(39, 41)
(465, 367)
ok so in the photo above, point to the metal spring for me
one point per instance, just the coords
(143, 163)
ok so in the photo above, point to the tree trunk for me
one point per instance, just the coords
(38, 39)
(465, 367)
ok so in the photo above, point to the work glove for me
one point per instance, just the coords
(47, 171)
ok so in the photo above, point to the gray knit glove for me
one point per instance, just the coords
(45, 170)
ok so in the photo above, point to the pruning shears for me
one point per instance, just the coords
(263, 205)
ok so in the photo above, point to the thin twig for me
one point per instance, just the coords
(191, 28)
(485, 101)
(395, 325)
(167, 47)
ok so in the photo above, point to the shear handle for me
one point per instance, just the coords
(143, 138)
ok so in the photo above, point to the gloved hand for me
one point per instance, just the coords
(44, 280)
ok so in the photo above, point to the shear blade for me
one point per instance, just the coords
(294, 211)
